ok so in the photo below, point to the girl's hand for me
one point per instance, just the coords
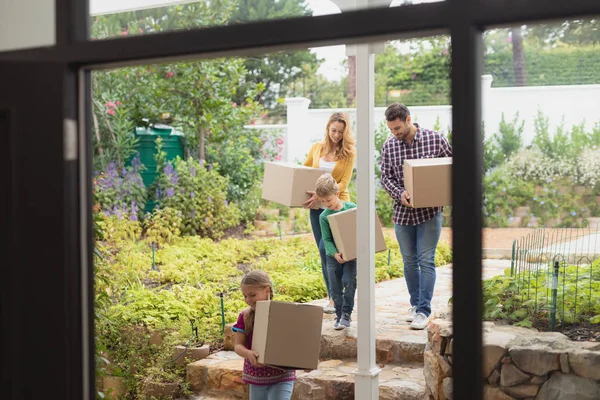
(338, 258)
(310, 203)
(252, 356)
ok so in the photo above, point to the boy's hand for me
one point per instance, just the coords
(252, 356)
(338, 258)
(310, 203)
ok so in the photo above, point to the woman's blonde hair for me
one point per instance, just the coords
(345, 147)
(261, 280)
(326, 186)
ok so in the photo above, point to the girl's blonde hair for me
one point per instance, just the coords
(261, 280)
(345, 147)
(326, 185)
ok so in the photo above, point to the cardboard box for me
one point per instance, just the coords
(287, 183)
(287, 334)
(429, 181)
(343, 229)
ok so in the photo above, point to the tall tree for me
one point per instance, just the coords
(518, 56)
(275, 71)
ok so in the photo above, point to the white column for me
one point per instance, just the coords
(367, 375)
(486, 109)
(294, 145)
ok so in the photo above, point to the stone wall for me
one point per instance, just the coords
(518, 363)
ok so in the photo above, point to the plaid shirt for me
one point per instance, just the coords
(426, 144)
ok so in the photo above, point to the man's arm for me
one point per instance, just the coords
(445, 148)
(389, 179)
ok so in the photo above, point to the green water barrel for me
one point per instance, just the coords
(173, 146)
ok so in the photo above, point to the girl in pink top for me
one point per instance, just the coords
(266, 383)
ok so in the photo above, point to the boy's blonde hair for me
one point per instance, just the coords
(326, 186)
(261, 280)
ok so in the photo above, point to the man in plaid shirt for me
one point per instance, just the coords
(417, 229)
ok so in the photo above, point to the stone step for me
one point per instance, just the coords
(220, 375)
(395, 343)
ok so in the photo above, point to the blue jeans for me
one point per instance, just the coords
(316, 228)
(417, 246)
(276, 391)
(342, 281)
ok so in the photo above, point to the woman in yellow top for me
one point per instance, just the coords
(334, 154)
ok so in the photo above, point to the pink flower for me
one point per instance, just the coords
(280, 141)
(233, 104)
(110, 104)
(111, 111)
(253, 122)
(117, 103)
(124, 33)
(169, 74)
(445, 51)
(262, 115)
(278, 158)
(141, 30)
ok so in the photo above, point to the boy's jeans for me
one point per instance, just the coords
(342, 283)
(316, 228)
(417, 246)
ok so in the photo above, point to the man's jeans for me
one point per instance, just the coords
(316, 228)
(342, 281)
(417, 246)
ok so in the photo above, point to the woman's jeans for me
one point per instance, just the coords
(277, 391)
(316, 228)
(417, 246)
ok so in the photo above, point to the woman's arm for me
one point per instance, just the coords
(348, 168)
(310, 156)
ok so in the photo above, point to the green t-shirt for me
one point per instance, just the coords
(330, 248)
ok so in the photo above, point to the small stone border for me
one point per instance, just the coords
(518, 363)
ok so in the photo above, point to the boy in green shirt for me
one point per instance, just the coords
(342, 273)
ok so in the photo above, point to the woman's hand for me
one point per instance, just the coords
(310, 203)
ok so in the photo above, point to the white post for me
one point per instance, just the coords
(486, 88)
(293, 143)
(367, 375)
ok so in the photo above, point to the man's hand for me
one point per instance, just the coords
(310, 203)
(252, 356)
(338, 258)
(406, 199)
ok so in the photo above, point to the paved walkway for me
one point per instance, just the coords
(392, 303)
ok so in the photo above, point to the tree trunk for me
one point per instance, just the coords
(351, 80)
(518, 57)
(201, 137)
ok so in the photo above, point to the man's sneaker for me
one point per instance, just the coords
(420, 321)
(345, 321)
(336, 324)
(329, 309)
(412, 312)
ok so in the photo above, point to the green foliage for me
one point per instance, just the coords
(420, 76)
(199, 193)
(503, 144)
(527, 298)
(163, 226)
(276, 71)
(121, 192)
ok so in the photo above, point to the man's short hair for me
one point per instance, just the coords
(395, 111)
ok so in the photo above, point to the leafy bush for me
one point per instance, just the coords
(163, 225)
(122, 193)
(527, 298)
(199, 193)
